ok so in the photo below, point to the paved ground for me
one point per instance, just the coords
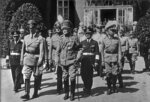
(137, 88)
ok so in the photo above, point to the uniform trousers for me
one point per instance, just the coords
(17, 76)
(87, 71)
(59, 79)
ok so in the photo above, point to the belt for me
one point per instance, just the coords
(36, 55)
(14, 53)
(110, 52)
(132, 47)
(88, 54)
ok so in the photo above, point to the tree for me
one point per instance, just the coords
(24, 13)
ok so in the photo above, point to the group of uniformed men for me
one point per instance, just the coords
(99, 49)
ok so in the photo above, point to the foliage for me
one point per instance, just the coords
(24, 13)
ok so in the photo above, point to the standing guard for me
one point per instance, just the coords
(14, 53)
(32, 56)
(67, 57)
(89, 60)
(132, 51)
(111, 56)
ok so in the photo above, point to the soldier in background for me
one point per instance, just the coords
(52, 55)
(32, 56)
(67, 57)
(14, 53)
(133, 49)
(22, 33)
(124, 50)
(89, 60)
(111, 56)
(48, 43)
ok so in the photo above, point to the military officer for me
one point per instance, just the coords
(111, 56)
(22, 33)
(67, 56)
(52, 54)
(48, 43)
(32, 56)
(14, 53)
(133, 49)
(124, 49)
(89, 60)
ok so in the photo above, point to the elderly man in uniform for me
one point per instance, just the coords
(133, 49)
(89, 60)
(53, 45)
(111, 56)
(67, 57)
(14, 53)
(32, 56)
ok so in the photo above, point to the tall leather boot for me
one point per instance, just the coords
(66, 88)
(40, 81)
(36, 86)
(114, 80)
(108, 85)
(133, 67)
(120, 80)
(73, 83)
(27, 89)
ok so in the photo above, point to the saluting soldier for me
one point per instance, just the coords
(67, 57)
(133, 49)
(14, 53)
(89, 60)
(32, 56)
(52, 54)
(111, 56)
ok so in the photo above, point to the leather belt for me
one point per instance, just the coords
(14, 53)
(88, 54)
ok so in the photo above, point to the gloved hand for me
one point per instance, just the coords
(103, 64)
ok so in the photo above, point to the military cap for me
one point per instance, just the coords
(16, 33)
(110, 24)
(57, 25)
(89, 30)
(32, 22)
(66, 24)
(134, 23)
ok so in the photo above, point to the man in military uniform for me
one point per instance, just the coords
(53, 45)
(67, 57)
(111, 56)
(124, 49)
(32, 56)
(133, 49)
(89, 60)
(14, 53)
(48, 44)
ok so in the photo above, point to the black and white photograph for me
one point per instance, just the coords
(74, 50)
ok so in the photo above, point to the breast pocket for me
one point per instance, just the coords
(92, 48)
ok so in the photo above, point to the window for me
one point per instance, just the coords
(63, 8)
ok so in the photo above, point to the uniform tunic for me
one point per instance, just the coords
(32, 54)
(89, 51)
(67, 54)
(111, 54)
(14, 52)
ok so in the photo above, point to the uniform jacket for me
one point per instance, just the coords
(67, 52)
(124, 44)
(98, 37)
(133, 45)
(111, 49)
(53, 43)
(33, 50)
(14, 48)
(90, 47)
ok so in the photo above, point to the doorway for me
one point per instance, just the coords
(108, 14)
